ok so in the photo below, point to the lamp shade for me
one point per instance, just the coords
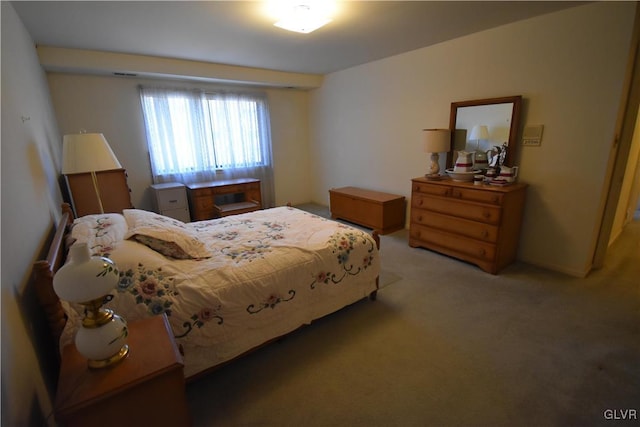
(479, 132)
(85, 278)
(436, 140)
(87, 152)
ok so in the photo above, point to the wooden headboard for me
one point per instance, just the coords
(44, 270)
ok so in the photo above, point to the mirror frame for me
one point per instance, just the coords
(513, 131)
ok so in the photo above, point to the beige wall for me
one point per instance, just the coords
(568, 66)
(111, 105)
(30, 205)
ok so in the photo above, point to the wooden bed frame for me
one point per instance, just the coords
(45, 269)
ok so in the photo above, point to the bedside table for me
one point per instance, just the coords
(146, 388)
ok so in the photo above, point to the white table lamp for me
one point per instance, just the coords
(479, 132)
(86, 280)
(436, 141)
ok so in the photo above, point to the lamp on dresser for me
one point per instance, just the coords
(94, 176)
(478, 133)
(436, 141)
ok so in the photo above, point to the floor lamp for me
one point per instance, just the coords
(87, 153)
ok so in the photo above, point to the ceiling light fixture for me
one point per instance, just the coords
(304, 17)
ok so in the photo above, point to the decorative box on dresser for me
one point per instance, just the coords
(171, 200)
(479, 224)
(146, 388)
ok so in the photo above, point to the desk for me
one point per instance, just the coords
(216, 199)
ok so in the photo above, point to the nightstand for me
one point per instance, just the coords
(146, 388)
(171, 200)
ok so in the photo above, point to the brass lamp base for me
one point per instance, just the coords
(102, 339)
(433, 177)
(97, 364)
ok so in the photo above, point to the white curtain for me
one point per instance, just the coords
(198, 136)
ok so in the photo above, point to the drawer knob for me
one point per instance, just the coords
(485, 233)
(173, 201)
(482, 252)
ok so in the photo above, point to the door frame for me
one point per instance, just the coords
(621, 144)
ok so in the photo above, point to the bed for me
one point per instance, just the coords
(227, 285)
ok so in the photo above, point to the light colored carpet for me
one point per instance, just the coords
(446, 344)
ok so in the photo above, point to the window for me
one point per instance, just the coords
(200, 136)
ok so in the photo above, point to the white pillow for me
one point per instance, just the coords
(101, 232)
(163, 234)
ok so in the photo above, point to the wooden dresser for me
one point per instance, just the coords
(216, 199)
(114, 191)
(373, 209)
(479, 224)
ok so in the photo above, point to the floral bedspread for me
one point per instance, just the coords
(265, 274)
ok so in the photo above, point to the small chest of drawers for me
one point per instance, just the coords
(171, 200)
(478, 224)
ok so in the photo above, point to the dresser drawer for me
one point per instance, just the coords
(425, 188)
(481, 196)
(202, 192)
(174, 198)
(457, 208)
(441, 239)
(473, 229)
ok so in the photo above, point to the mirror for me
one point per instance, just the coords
(501, 116)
